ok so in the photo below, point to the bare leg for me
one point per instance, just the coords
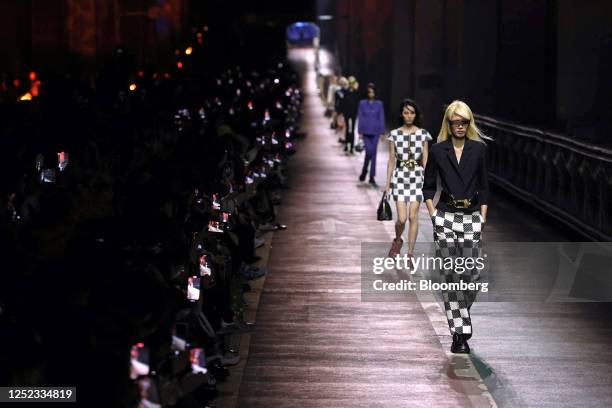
(402, 215)
(413, 227)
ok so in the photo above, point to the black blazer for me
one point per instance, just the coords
(467, 179)
(347, 102)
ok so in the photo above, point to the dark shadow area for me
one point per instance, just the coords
(137, 179)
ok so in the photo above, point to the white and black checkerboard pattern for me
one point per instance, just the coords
(406, 184)
(458, 235)
(457, 227)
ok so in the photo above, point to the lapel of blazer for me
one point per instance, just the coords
(467, 153)
(450, 155)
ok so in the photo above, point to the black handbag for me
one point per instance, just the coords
(384, 209)
(360, 147)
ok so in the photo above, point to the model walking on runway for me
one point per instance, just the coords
(371, 125)
(459, 159)
(408, 151)
(340, 104)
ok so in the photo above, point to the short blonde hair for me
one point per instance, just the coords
(461, 109)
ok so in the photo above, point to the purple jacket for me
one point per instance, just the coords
(371, 117)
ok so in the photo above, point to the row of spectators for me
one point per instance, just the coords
(133, 203)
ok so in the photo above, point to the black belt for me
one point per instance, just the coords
(460, 204)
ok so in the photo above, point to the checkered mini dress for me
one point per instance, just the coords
(407, 184)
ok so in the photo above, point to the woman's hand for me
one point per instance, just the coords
(483, 213)
(430, 207)
(386, 188)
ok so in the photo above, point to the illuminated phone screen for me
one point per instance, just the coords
(139, 361)
(216, 205)
(215, 226)
(198, 360)
(204, 266)
(193, 288)
(62, 160)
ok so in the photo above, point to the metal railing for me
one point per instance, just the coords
(568, 179)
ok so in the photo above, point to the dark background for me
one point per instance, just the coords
(542, 63)
(57, 34)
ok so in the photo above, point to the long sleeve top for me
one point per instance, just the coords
(371, 115)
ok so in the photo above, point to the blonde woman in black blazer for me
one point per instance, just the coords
(459, 159)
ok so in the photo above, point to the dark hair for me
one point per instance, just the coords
(372, 87)
(417, 117)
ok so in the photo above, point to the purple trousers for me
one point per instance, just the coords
(371, 146)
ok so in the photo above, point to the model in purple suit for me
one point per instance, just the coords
(371, 125)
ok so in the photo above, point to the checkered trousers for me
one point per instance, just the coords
(407, 184)
(457, 234)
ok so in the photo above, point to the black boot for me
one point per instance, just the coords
(460, 345)
(364, 172)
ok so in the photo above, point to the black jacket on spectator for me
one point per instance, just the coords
(466, 179)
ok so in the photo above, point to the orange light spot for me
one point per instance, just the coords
(179, 65)
(132, 87)
(26, 97)
(34, 88)
(188, 51)
(32, 76)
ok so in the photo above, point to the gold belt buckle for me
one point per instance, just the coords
(410, 164)
(465, 203)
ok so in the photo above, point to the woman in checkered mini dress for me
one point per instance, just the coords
(408, 151)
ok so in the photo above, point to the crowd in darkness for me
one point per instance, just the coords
(133, 201)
